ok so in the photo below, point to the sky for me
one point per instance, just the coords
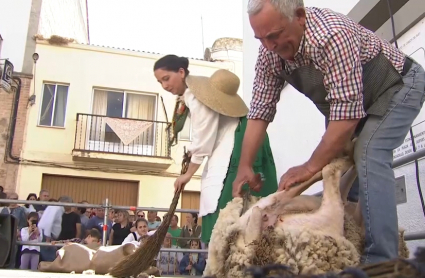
(164, 26)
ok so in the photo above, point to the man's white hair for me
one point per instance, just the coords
(286, 7)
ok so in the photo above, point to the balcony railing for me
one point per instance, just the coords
(103, 134)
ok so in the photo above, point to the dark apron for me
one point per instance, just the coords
(380, 82)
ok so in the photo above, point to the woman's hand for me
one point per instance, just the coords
(189, 267)
(180, 182)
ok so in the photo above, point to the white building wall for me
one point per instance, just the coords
(298, 126)
(14, 18)
(66, 18)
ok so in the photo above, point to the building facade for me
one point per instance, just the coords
(99, 127)
(20, 21)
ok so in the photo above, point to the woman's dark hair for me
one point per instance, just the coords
(29, 196)
(140, 220)
(195, 217)
(172, 63)
(195, 240)
(33, 214)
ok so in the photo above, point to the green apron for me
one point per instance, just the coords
(264, 163)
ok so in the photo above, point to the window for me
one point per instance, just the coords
(119, 104)
(53, 105)
(186, 132)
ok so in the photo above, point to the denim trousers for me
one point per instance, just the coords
(374, 187)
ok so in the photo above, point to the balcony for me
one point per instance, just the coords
(122, 141)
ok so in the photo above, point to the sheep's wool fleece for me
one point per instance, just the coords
(306, 252)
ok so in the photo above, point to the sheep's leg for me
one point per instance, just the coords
(274, 201)
(346, 183)
(253, 229)
(329, 218)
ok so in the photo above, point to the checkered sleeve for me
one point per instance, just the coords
(267, 87)
(341, 64)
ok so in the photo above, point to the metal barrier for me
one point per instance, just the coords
(106, 206)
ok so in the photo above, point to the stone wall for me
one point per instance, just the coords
(9, 167)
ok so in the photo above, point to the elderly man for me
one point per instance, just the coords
(361, 84)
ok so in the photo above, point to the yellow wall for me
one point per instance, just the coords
(84, 67)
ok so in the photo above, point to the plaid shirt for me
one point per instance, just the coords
(338, 47)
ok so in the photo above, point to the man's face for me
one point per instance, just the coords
(152, 216)
(278, 33)
(44, 196)
(173, 222)
(100, 212)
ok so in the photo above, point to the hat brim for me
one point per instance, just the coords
(222, 103)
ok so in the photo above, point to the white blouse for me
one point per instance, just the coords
(213, 136)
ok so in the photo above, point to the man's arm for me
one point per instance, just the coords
(254, 136)
(341, 64)
(333, 142)
(265, 96)
(266, 93)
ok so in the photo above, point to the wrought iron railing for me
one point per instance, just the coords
(103, 134)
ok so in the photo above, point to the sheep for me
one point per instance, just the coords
(292, 230)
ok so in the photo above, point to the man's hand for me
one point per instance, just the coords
(246, 176)
(295, 175)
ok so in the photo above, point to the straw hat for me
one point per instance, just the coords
(219, 92)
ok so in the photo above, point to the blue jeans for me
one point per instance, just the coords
(48, 253)
(373, 155)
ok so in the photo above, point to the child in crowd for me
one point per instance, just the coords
(30, 255)
(141, 230)
(168, 262)
(193, 263)
(93, 238)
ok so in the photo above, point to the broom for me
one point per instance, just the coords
(143, 257)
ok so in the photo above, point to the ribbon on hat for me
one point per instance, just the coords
(181, 112)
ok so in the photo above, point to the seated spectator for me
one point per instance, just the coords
(141, 230)
(83, 218)
(17, 211)
(193, 263)
(189, 231)
(71, 224)
(30, 255)
(168, 262)
(44, 197)
(96, 222)
(3, 195)
(153, 223)
(31, 197)
(51, 226)
(174, 229)
(120, 229)
(93, 238)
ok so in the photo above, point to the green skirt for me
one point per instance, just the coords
(264, 163)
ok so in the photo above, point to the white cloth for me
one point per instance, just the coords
(30, 209)
(213, 136)
(26, 237)
(51, 221)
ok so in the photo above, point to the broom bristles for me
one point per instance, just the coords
(142, 258)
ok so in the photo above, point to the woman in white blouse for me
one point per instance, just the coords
(219, 120)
